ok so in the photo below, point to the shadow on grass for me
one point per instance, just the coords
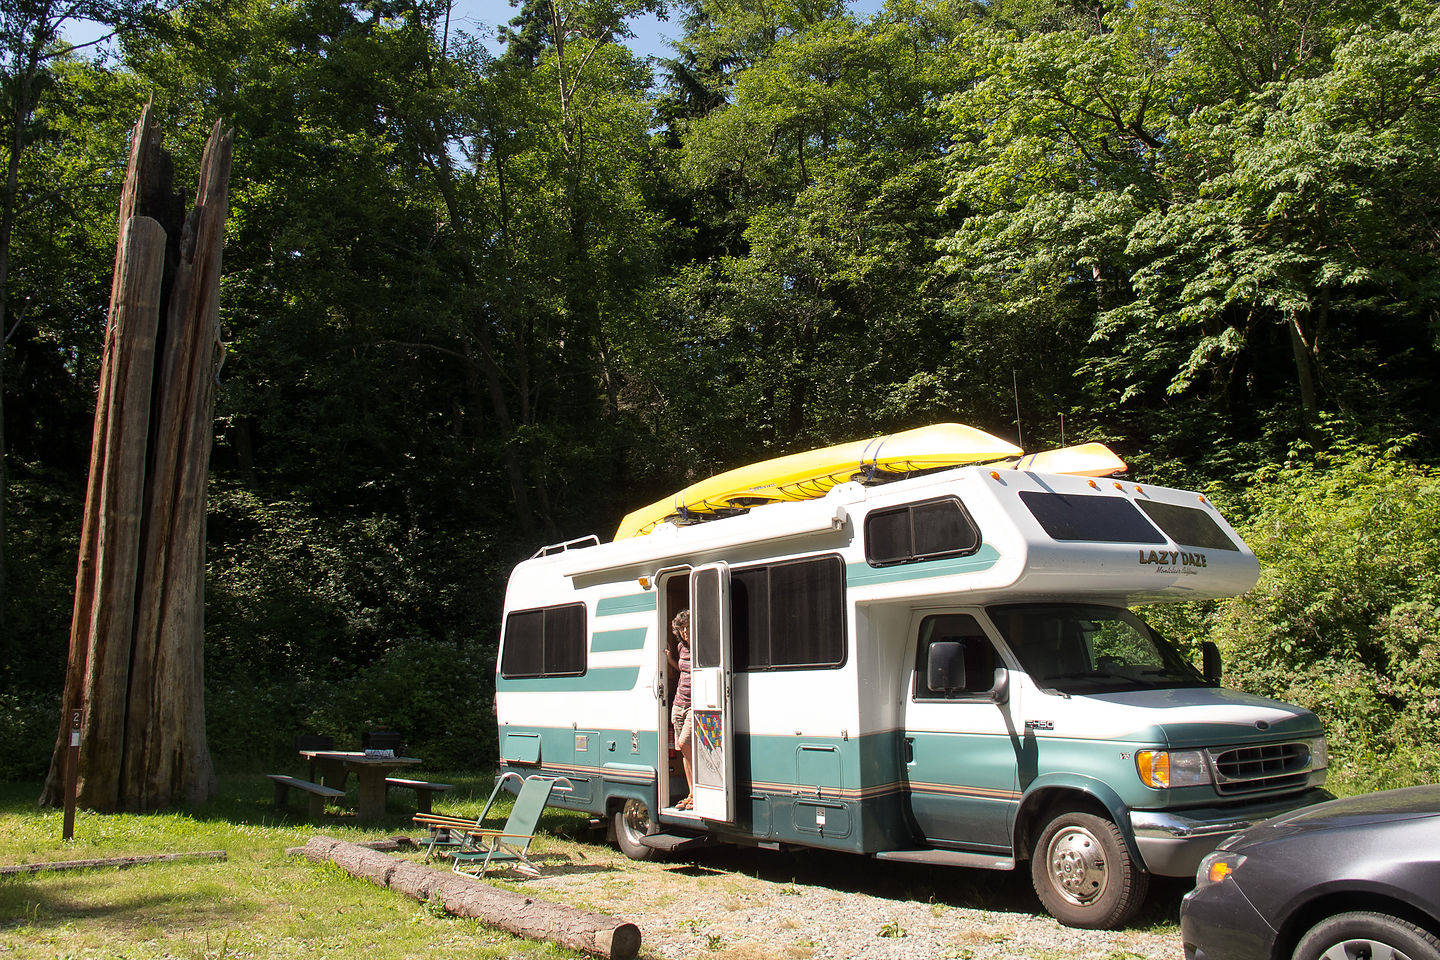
(26, 902)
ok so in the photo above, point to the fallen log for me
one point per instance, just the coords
(598, 934)
(117, 862)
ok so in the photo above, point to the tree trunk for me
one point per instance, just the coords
(137, 635)
(1306, 363)
(598, 934)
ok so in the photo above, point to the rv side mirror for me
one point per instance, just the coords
(1000, 692)
(1211, 667)
(945, 666)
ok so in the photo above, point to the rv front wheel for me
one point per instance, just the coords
(633, 821)
(1083, 873)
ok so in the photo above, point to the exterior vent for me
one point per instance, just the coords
(1273, 766)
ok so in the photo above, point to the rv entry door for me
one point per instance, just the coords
(712, 740)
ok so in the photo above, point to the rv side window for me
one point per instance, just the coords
(545, 643)
(955, 640)
(1188, 526)
(1089, 517)
(920, 531)
(789, 615)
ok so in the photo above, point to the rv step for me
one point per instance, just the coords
(674, 842)
(950, 858)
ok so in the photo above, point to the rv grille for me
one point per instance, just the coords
(1268, 767)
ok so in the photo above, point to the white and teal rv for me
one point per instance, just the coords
(942, 669)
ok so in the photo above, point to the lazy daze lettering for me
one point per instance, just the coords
(1172, 558)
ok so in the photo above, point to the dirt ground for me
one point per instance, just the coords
(746, 904)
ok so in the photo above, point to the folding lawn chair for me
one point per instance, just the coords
(509, 845)
(450, 831)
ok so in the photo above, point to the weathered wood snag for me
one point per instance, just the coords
(136, 635)
(598, 934)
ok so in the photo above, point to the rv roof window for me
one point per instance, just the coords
(1081, 517)
(919, 531)
(1189, 526)
(549, 642)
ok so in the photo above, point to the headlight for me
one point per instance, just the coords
(1319, 754)
(1217, 867)
(1172, 768)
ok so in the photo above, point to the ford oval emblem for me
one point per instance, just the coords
(1262, 725)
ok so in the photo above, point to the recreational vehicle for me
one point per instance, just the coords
(941, 669)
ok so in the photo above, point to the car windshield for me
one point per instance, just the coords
(1075, 648)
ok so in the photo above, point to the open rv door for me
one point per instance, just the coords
(712, 740)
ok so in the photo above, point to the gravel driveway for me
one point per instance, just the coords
(739, 904)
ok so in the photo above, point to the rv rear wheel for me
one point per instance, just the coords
(632, 821)
(1084, 874)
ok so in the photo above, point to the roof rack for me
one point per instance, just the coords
(577, 544)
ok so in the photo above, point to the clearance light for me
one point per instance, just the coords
(1162, 769)
(1094, 484)
(644, 583)
(1139, 489)
(1119, 486)
(994, 474)
(1201, 499)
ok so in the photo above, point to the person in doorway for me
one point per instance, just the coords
(681, 718)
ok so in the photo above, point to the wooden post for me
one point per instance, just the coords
(72, 772)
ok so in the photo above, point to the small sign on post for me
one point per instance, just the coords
(72, 773)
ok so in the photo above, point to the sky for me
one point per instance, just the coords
(652, 35)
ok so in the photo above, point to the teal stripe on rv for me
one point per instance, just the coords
(864, 575)
(634, 603)
(594, 679)
(605, 641)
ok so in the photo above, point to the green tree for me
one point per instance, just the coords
(1208, 190)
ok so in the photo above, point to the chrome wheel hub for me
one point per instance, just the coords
(1077, 865)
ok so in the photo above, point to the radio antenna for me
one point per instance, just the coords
(1062, 428)
(1015, 391)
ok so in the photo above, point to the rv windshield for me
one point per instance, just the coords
(1076, 648)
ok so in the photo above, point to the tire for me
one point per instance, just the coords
(1084, 874)
(1375, 936)
(632, 821)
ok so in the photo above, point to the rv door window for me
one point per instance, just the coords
(789, 615)
(549, 642)
(940, 635)
(920, 531)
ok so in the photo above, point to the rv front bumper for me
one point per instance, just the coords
(1172, 843)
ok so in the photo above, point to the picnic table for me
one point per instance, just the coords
(335, 767)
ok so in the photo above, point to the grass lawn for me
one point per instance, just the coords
(257, 903)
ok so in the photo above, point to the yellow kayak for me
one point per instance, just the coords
(802, 476)
(1085, 460)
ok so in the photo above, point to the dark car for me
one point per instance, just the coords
(1351, 879)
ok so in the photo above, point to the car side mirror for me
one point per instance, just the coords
(1211, 665)
(1000, 692)
(945, 666)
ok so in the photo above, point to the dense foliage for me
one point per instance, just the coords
(479, 298)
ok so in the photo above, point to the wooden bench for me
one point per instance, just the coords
(319, 793)
(423, 789)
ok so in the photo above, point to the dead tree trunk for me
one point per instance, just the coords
(136, 637)
(597, 934)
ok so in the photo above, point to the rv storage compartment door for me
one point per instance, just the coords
(712, 740)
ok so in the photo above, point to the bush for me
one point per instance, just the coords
(1344, 618)
(440, 696)
(28, 724)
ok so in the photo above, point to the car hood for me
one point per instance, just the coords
(1405, 804)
